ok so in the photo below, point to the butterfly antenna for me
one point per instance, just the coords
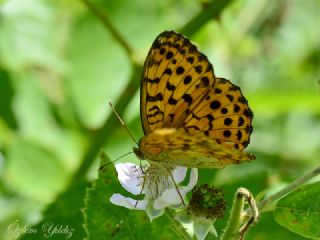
(106, 164)
(122, 123)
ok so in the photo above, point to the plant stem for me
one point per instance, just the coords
(298, 182)
(232, 230)
(179, 230)
(209, 12)
(106, 130)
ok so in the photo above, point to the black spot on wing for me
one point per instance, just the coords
(193, 127)
(152, 81)
(180, 70)
(227, 133)
(168, 71)
(190, 60)
(158, 112)
(224, 110)
(172, 101)
(198, 69)
(227, 121)
(162, 50)
(215, 104)
(239, 135)
(169, 55)
(153, 108)
(230, 97)
(187, 79)
(155, 98)
(187, 98)
(210, 117)
(205, 81)
(240, 121)
(170, 86)
(217, 91)
(236, 108)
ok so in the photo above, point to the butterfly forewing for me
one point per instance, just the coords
(176, 78)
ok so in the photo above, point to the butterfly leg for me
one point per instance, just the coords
(143, 184)
(142, 169)
(175, 184)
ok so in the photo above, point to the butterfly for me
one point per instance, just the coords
(189, 116)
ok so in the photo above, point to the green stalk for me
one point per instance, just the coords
(232, 230)
(267, 203)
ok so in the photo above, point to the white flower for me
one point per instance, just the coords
(158, 187)
(201, 225)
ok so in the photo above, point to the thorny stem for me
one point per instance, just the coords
(234, 220)
(177, 227)
(244, 229)
(233, 230)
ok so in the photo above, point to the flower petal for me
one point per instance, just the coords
(201, 227)
(179, 174)
(213, 230)
(130, 177)
(153, 213)
(127, 202)
(168, 197)
(183, 217)
(192, 182)
(171, 197)
(193, 178)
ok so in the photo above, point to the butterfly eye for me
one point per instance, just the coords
(138, 153)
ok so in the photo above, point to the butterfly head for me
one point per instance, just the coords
(139, 153)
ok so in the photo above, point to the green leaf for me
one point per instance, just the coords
(35, 172)
(95, 67)
(299, 211)
(64, 215)
(267, 229)
(35, 42)
(104, 220)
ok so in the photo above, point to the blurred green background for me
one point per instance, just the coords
(60, 65)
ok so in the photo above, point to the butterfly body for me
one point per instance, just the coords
(190, 117)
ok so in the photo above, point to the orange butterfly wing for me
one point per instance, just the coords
(176, 78)
(179, 90)
(175, 147)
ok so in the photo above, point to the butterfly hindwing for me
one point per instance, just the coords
(223, 115)
(178, 148)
